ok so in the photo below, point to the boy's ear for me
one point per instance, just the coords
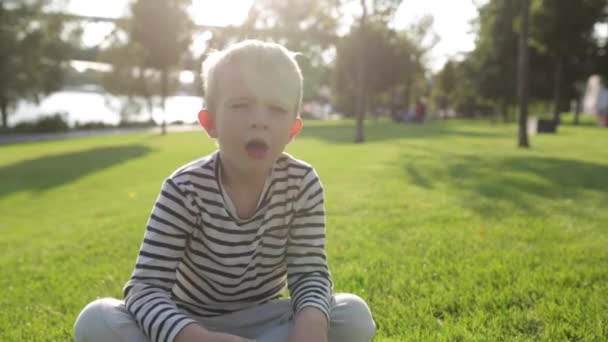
(206, 120)
(295, 128)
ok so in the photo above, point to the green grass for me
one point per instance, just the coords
(449, 231)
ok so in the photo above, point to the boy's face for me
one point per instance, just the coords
(254, 117)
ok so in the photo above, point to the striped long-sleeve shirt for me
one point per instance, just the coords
(198, 259)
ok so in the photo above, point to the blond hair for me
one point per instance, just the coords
(264, 56)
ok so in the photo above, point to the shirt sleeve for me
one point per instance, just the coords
(148, 292)
(308, 275)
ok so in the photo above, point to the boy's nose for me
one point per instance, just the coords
(258, 118)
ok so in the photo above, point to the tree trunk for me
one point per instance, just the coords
(577, 111)
(144, 89)
(406, 93)
(4, 108)
(522, 71)
(557, 80)
(359, 137)
(394, 102)
(163, 96)
(504, 111)
(409, 82)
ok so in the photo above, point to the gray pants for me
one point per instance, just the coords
(107, 319)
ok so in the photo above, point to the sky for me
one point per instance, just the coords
(451, 20)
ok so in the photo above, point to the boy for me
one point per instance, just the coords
(230, 230)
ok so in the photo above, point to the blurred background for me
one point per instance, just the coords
(77, 64)
(444, 225)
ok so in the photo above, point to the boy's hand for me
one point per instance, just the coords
(196, 333)
(220, 337)
(310, 326)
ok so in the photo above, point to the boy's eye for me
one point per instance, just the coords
(238, 105)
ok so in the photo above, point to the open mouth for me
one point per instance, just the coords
(256, 148)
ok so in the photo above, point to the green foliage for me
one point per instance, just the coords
(445, 85)
(393, 59)
(145, 53)
(91, 125)
(34, 54)
(447, 230)
(494, 59)
(306, 27)
(45, 124)
(380, 56)
(561, 55)
(163, 30)
(568, 50)
(129, 78)
(557, 39)
(394, 64)
(455, 88)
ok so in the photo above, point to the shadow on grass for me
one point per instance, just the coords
(491, 186)
(379, 131)
(44, 173)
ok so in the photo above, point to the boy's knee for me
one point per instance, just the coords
(91, 323)
(352, 318)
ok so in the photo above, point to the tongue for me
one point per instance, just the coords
(256, 150)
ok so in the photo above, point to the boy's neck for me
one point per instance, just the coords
(243, 181)
(243, 188)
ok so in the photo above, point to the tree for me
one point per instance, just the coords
(311, 26)
(567, 46)
(361, 79)
(163, 31)
(129, 77)
(308, 27)
(445, 84)
(34, 54)
(393, 62)
(382, 12)
(562, 53)
(375, 52)
(493, 62)
(457, 86)
(300, 25)
(414, 44)
(522, 74)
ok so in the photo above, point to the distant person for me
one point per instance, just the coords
(230, 230)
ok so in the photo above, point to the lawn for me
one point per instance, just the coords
(447, 230)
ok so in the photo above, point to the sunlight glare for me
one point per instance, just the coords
(186, 77)
(219, 13)
(199, 43)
